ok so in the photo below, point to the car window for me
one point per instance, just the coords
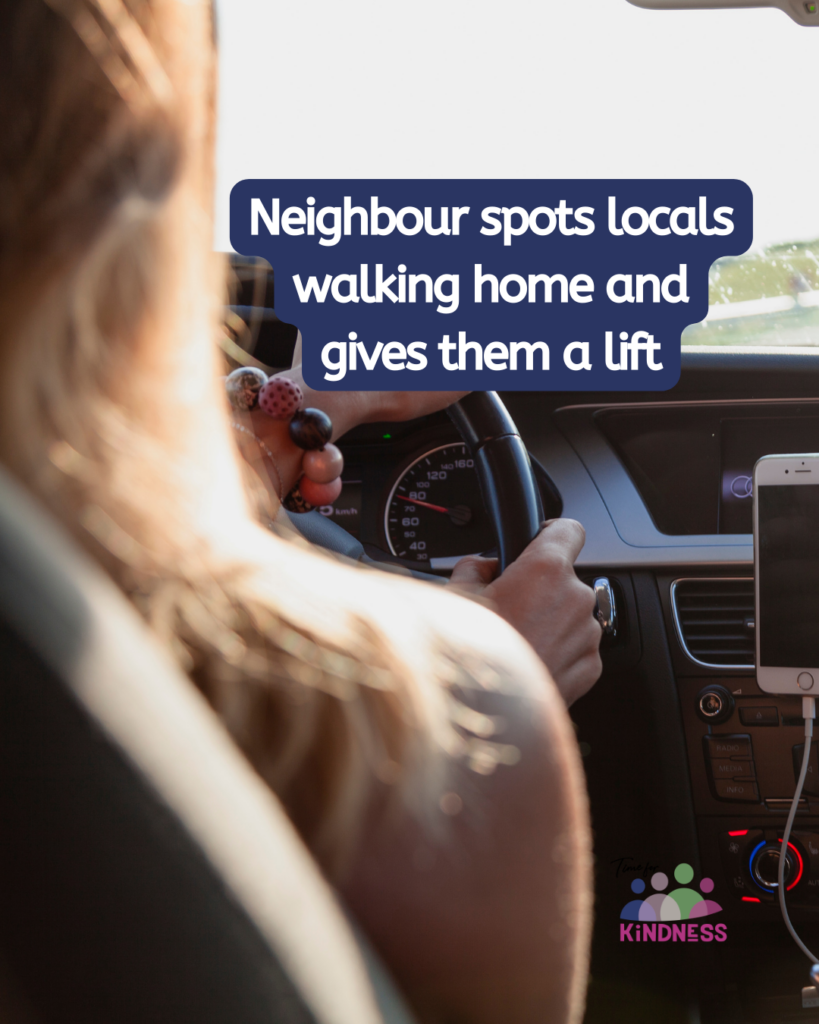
(445, 88)
(768, 297)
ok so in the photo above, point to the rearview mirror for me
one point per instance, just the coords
(804, 12)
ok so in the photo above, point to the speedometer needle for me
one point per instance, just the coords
(425, 504)
(460, 514)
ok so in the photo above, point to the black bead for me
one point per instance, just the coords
(311, 429)
(243, 387)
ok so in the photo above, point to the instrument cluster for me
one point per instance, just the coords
(411, 495)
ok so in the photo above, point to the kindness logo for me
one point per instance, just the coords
(680, 904)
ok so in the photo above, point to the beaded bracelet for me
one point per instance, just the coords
(309, 429)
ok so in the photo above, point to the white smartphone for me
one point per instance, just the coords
(786, 570)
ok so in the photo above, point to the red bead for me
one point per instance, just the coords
(280, 398)
(324, 465)
(320, 494)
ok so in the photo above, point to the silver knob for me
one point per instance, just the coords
(605, 611)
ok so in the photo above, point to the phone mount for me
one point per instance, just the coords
(803, 12)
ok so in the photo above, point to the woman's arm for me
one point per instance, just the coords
(490, 922)
(539, 594)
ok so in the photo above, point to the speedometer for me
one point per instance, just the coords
(435, 512)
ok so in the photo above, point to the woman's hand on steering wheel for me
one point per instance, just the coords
(541, 596)
(539, 593)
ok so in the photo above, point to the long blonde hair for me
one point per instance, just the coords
(111, 412)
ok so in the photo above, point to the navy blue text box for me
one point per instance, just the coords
(425, 285)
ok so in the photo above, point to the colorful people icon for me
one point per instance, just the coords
(680, 904)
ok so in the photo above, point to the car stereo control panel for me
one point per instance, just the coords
(744, 753)
(744, 747)
(750, 861)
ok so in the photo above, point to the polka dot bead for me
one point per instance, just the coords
(320, 494)
(280, 398)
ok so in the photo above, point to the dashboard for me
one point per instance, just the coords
(653, 481)
(411, 495)
(687, 761)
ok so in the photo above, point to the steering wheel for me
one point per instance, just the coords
(510, 494)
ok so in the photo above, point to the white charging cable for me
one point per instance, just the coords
(808, 713)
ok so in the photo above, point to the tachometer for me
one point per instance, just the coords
(435, 512)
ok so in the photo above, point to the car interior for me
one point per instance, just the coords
(687, 760)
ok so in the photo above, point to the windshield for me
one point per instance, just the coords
(545, 89)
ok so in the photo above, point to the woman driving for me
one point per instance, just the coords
(417, 736)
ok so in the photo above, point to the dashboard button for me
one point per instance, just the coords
(729, 746)
(739, 791)
(804, 681)
(735, 847)
(810, 844)
(733, 769)
(715, 704)
(764, 865)
(811, 786)
(711, 704)
(759, 716)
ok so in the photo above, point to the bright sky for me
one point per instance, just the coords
(522, 89)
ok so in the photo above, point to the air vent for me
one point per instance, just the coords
(715, 621)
